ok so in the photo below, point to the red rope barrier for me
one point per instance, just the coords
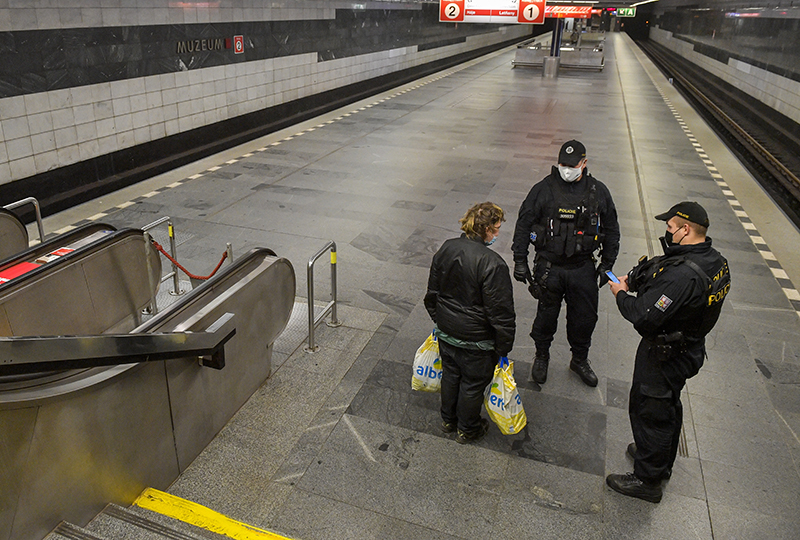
(185, 271)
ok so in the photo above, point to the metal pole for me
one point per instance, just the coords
(176, 286)
(148, 248)
(310, 276)
(229, 251)
(37, 211)
(334, 321)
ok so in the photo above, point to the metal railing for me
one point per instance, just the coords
(176, 287)
(34, 354)
(35, 203)
(331, 306)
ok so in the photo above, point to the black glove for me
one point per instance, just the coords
(522, 272)
(602, 278)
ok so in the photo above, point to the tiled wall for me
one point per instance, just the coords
(780, 93)
(44, 130)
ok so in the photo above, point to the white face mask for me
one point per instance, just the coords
(569, 174)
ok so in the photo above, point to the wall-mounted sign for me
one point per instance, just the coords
(198, 45)
(238, 44)
(568, 12)
(626, 12)
(492, 11)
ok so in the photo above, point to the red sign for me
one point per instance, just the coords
(451, 10)
(531, 11)
(238, 44)
(17, 270)
(568, 12)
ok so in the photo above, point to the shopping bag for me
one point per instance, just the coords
(427, 376)
(502, 399)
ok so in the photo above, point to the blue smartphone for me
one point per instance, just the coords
(612, 277)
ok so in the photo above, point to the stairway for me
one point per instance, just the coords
(134, 523)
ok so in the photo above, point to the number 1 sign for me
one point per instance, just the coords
(531, 11)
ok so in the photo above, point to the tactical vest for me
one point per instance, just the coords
(571, 229)
(717, 286)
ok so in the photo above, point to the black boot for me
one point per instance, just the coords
(632, 486)
(666, 475)
(539, 369)
(584, 370)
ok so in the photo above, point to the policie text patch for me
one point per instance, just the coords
(663, 303)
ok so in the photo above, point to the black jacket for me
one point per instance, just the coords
(540, 204)
(675, 299)
(470, 295)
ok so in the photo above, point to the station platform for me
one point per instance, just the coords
(336, 444)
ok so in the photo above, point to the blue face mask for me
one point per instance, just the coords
(490, 242)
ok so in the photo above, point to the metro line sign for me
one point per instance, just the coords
(492, 11)
(626, 12)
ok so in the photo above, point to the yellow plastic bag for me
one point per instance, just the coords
(427, 376)
(502, 399)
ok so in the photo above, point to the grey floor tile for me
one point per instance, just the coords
(772, 493)
(735, 522)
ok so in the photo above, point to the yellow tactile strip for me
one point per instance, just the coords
(200, 516)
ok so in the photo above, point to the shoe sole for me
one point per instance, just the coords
(654, 500)
(476, 438)
(592, 384)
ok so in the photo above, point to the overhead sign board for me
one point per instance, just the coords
(492, 11)
(626, 12)
(568, 12)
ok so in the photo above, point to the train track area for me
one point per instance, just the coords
(765, 141)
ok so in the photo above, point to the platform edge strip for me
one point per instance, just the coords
(200, 516)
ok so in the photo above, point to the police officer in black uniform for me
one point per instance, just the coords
(678, 301)
(567, 217)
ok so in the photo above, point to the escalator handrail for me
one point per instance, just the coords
(55, 242)
(69, 258)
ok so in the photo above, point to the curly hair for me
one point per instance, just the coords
(480, 218)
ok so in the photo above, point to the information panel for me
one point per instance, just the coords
(569, 12)
(492, 11)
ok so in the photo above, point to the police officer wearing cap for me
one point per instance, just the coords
(566, 217)
(677, 302)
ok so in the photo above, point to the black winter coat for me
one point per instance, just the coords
(470, 295)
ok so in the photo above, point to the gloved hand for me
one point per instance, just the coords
(602, 278)
(521, 271)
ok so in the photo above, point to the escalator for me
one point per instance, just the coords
(98, 399)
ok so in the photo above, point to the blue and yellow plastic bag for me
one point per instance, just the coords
(502, 399)
(427, 376)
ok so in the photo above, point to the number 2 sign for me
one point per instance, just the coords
(531, 11)
(451, 10)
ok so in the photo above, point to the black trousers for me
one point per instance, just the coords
(577, 286)
(655, 408)
(465, 376)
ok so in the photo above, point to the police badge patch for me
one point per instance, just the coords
(663, 303)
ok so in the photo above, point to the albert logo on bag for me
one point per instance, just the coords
(496, 397)
(502, 399)
(430, 372)
(427, 375)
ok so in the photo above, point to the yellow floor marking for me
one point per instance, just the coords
(200, 516)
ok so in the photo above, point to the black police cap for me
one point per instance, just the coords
(571, 153)
(688, 210)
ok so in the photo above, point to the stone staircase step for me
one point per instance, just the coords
(177, 524)
(122, 524)
(68, 531)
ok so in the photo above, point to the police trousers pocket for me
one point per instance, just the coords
(656, 404)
